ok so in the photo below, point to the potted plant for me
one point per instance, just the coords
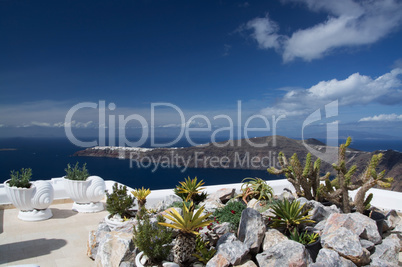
(86, 191)
(187, 225)
(119, 204)
(152, 239)
(31, 198)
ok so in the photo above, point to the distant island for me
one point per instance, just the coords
(8, 149)
(242, 154)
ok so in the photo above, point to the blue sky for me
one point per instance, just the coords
(287, 58)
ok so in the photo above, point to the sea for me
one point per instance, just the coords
(49, 157)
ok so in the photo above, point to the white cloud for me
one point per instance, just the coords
(265, 32)
(383, 117)
(42, 124)
(357, 89)
(349, 23)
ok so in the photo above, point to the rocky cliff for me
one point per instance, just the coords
(256, 153)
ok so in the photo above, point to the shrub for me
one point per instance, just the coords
(119, 202)
(77, 173)
(153, 239)
(230, 213)
(21, 178)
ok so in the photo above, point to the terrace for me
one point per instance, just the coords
(61, 240)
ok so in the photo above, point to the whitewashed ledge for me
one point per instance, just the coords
(383, 199)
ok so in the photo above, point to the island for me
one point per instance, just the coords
(257, 153)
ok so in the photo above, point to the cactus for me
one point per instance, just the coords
(337, 190)
(305, 180)
(369, 179)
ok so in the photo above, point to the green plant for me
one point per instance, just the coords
(153, 239)
(203, 253)
(337, 190)
(141, 196)
(190, 189)
(119, 202)
(230, 213)
(267, 204)
(188, 224)
(303, 237)
(77, 173)
(21, 178)
(256, 188)
(289, 215)
(306, 181)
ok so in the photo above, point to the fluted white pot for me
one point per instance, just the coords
(32, 202)
(86, 194)
(140, 260)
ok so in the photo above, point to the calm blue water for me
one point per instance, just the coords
(49, 157)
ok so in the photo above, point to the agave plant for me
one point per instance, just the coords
(188, 224)
(190, 188)
(141, 196)
(256, 188)
(289, 215)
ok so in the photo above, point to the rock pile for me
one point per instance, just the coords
(347, 239)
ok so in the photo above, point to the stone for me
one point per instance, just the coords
(231, 248)
(388, 250)
(346, 243)
(398, 232)
(367, 244)
(224, 194)
(319, 212)
(328, 257)
(319, 227)
(391, 221)
(167, 201)
(357, 223)
(286, 195)
(218, 260)
(95, 237)
(211, 205)
(248, 263)
(286, 253)
(221, 229)
(116, 248)
(272, 237)
(251, 229)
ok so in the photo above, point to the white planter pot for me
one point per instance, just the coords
(141, 259)
(32, 202)
(113, 224)
(86, 194)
